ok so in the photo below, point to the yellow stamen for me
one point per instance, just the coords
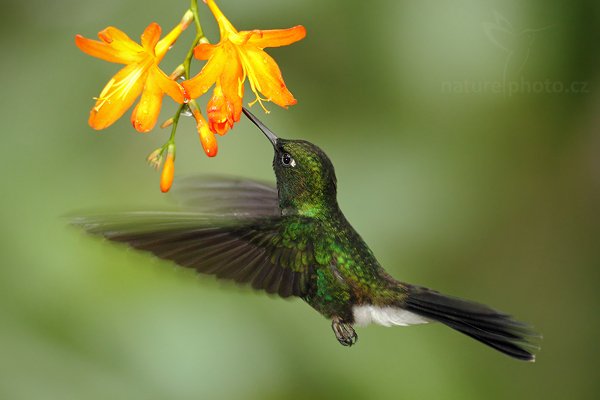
(260, 101)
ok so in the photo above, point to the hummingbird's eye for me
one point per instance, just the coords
(287, 160)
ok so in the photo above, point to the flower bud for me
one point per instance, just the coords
(208, 141)
(207, 138)
(168, 172)
(187, 19)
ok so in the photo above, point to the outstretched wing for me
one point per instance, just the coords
(223, 195)
(274, 254)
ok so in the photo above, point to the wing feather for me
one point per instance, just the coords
(270, 253)
(221, 195)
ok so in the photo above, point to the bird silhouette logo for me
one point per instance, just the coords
(517, 44)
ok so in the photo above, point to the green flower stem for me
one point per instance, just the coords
(186, 65)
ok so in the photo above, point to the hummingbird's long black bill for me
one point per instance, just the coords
(268, 133)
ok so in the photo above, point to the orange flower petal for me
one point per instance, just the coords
(218, 127)
(117, 96)
(276, 37)
(167, 85)
(165, 43)
(150, 37)
(264, 75)
(220, 112)
(225, 27)
(204, 51)
(146, 112)
(105, 51)
(119, 40)
(112, 34)
(232, 85)
(200, 84)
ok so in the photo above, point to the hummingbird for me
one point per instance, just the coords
(294, 241)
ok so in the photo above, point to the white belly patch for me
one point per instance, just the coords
(366, 314)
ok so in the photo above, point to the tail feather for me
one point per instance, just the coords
(488, 326)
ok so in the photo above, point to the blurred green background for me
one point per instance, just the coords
(455, 181)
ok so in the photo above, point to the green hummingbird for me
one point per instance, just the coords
(294, 240)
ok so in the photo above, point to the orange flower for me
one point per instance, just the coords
(141, 75)
(239, 55)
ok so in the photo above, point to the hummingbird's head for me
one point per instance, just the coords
(306, 179)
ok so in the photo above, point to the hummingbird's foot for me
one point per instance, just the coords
(344, 332)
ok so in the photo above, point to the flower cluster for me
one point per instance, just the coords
(239, 55)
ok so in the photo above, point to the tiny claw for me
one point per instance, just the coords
(344, 332)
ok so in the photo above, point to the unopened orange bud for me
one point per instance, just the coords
(208, 141)
(187, 19)
(168, 172)
(207, 138)
(195, 110)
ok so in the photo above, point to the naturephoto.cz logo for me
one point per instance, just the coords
(511, 87)
(517, 45)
